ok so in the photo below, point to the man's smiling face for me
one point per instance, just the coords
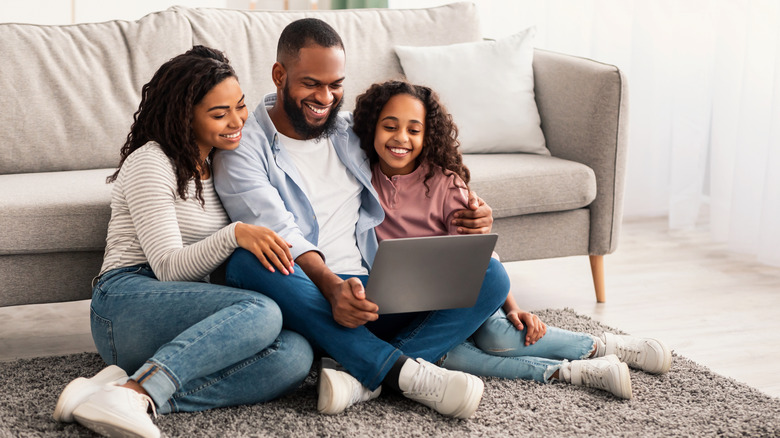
(313, 90)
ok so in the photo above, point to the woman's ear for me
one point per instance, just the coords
(278, 74)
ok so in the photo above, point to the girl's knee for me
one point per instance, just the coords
(498, 336)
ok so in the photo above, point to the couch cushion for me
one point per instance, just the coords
(249, 40)
(496, 112)
(69, 92)
(54, 211)
(518, 184)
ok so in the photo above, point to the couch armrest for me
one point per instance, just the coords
(583, 105)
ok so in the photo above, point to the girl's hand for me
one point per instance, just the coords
(522, 319)
(266, 245)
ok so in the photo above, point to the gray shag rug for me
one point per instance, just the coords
(690, 400)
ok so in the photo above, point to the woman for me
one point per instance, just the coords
(190, 345)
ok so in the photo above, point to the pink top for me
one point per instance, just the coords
(410, 212)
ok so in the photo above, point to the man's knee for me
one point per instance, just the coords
(244, 271)
(239, 261)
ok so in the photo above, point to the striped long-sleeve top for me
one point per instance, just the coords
(180, 239)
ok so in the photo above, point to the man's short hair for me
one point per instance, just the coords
(304, 32)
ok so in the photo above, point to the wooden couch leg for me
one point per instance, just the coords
(597, 270)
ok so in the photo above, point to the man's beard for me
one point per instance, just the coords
(299, 123)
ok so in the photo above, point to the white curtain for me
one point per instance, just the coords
(704, 90)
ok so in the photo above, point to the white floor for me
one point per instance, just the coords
(715, 307)
(718, 308)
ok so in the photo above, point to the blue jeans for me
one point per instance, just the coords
(498, 349)
(427, 335)
(195, 346)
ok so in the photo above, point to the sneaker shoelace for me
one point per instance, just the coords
(628, 354)
(428, 383)
(359, 393)
(595, 378)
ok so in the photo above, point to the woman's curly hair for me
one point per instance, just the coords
(440, 142)
(166, 112)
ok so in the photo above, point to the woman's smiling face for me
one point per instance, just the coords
(220, 116)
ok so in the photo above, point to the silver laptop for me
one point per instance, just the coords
(429, 273)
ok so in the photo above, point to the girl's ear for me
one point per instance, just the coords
(278, 74)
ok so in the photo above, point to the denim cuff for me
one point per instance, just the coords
(157, 382)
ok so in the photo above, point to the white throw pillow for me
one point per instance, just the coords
(487, 86)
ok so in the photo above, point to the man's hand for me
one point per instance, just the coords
(347, 298)
(349, 304)
(477, 219)
(536, 328)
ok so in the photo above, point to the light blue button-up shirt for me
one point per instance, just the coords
(259, 184)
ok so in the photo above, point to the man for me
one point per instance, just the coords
(300, 171)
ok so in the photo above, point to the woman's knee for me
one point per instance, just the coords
(262, 320)
(298, 353)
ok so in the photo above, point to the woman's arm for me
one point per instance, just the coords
(149, 188)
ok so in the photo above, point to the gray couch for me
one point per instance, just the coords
(68, 95)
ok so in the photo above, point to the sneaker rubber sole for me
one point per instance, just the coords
(81, 388)
(466, 411)
(623, 390)
(330, 401)
(667, 364)
(326, 399)
(108, 424)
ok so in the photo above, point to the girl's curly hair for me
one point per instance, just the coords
(166, 112)
(440, 142)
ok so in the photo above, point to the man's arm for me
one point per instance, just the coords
(477, 219)
(246, 180)
(242, 178)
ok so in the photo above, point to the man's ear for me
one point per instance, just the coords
(278, 74)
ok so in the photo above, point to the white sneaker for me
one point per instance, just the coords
(338, 390)
(79, 389)
(607, 373)
(451, 393)
(646, 354)
(116, 411)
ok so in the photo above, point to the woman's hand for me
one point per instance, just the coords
(522, 319)
(266, 245)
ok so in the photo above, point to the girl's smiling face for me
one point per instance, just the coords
(400, 130)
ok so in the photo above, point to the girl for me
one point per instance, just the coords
(421, 180)
(188, 344)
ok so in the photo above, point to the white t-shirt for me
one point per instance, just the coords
(334, 194)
